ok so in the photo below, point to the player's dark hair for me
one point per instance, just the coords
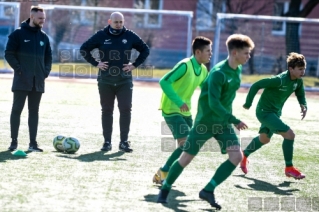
(239, 41)
(36, 9)
(200, 43)
(296, 60)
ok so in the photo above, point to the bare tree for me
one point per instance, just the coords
(60, 26)
(145, 33)
(239, 7)
(242, 7)
(292, 29)
(64, 31)
(262, 7)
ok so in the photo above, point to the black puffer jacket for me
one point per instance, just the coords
(29, 53)
(116, 50)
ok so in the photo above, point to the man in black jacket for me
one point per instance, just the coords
(115, 43)
(29, 54)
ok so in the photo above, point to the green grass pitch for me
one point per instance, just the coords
(91, 180)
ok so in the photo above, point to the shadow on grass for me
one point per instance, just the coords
(260, 185)
(6, 155)
(95, 156)
(173, 203)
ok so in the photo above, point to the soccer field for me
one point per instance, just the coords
(91, 180)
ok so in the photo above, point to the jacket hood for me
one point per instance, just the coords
(25, 24)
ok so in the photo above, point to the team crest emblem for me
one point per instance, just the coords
(124, 41)
(295, 86)
(41, 43)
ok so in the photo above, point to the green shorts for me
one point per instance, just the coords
(179, 125)
(200, 133)
(271, 123)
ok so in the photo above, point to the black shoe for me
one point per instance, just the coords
(107, 146)
(33, 147)
(162, 196)
(125, 146)
(210, 198)
(13, 146)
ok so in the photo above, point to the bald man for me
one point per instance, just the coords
(28, 52)
(115, 43)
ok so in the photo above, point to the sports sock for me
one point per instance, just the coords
(253, 146)
(174, 172)
(221, 174)
(288, 150)
(174, 156)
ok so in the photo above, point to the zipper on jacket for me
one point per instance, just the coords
(36, 53)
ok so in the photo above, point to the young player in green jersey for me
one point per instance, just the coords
(178, 86)
(214, 119)
(276, 91)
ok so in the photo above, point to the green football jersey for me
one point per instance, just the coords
(217, 95)
(277, 89)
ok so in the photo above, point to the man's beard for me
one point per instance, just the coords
(37, 25)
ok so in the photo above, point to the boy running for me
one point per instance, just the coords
(178, 86)
(276, 91)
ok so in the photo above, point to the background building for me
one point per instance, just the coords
(167, 35)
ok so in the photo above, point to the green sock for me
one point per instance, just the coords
(174, 156)
(221, 174)
(254, 145)
(288, 150)
(174, 172)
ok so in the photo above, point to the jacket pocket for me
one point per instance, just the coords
(21, 80)
(17, 71)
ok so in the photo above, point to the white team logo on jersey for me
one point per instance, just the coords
(283, 88)
(124, 41)
(295, 86)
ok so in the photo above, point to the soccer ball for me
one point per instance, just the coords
(71, 145)
(57, 143)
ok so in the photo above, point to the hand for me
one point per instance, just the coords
(241, 126)
(102, 65)
(184, 108)
(303, 111)
(128, 67)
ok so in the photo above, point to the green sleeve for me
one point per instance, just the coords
(217, 79)
(263, 83)
(300, 94)
(168, 79)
